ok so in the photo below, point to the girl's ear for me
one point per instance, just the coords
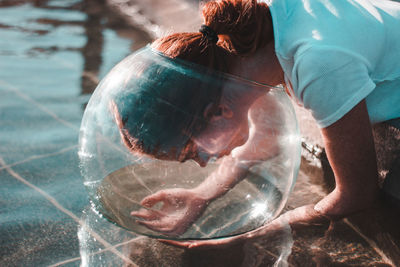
(215, 114)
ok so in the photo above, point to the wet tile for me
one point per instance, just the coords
(28, 131)
(33, 231)
(39, 245)
(105, 258)
(109, 233)
(63, 67)
(43, 60)
(101, 242)
(60, 177)
(145, 251)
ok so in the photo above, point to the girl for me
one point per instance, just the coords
(340, 59)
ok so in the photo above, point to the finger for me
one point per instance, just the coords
(163, 227)
(212, 243)
(202, 244)
(157, 225)
(148, 214)
(151, 200)
(179, 244)
(300, 218)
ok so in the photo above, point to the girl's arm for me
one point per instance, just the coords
(181, 207)
(261, 145)
(350, 149)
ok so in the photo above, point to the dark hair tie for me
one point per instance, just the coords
(209, 33)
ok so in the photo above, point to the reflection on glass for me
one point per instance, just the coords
(170, 149)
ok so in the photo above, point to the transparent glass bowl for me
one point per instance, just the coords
(156, 123)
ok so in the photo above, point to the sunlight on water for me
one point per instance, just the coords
(286, 246)
(272, 248)
(258, 209)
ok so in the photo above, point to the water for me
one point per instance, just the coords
(245, 207)
(52, 54)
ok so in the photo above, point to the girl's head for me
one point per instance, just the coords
(242, 26)
(177, 116)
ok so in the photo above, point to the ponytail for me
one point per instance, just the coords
(246, 24)
(241, 27)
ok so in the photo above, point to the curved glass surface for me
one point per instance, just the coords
(170, 149)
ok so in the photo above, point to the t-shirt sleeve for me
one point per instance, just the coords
(330, 83)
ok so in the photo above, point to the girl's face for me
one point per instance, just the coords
(217, 140)
(225, 132)
(221, 137)
(228, 130)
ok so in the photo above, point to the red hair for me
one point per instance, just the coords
(243, 26)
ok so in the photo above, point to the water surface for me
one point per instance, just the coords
(52, 54)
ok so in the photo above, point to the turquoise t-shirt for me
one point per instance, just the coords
(336, 53)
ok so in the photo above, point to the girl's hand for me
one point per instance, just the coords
(180, 208)
(333, 207)
(304, 216)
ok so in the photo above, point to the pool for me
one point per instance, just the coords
(52, 55)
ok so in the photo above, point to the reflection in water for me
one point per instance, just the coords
(99, 18)
(94, 45)
(273, 249)
(41, 63)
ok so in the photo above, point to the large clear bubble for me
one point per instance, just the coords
(170, 149)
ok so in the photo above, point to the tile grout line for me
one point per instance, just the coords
(53, 201)
(40, 106)
(65, 262)
(34, 157)
(370, 242)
